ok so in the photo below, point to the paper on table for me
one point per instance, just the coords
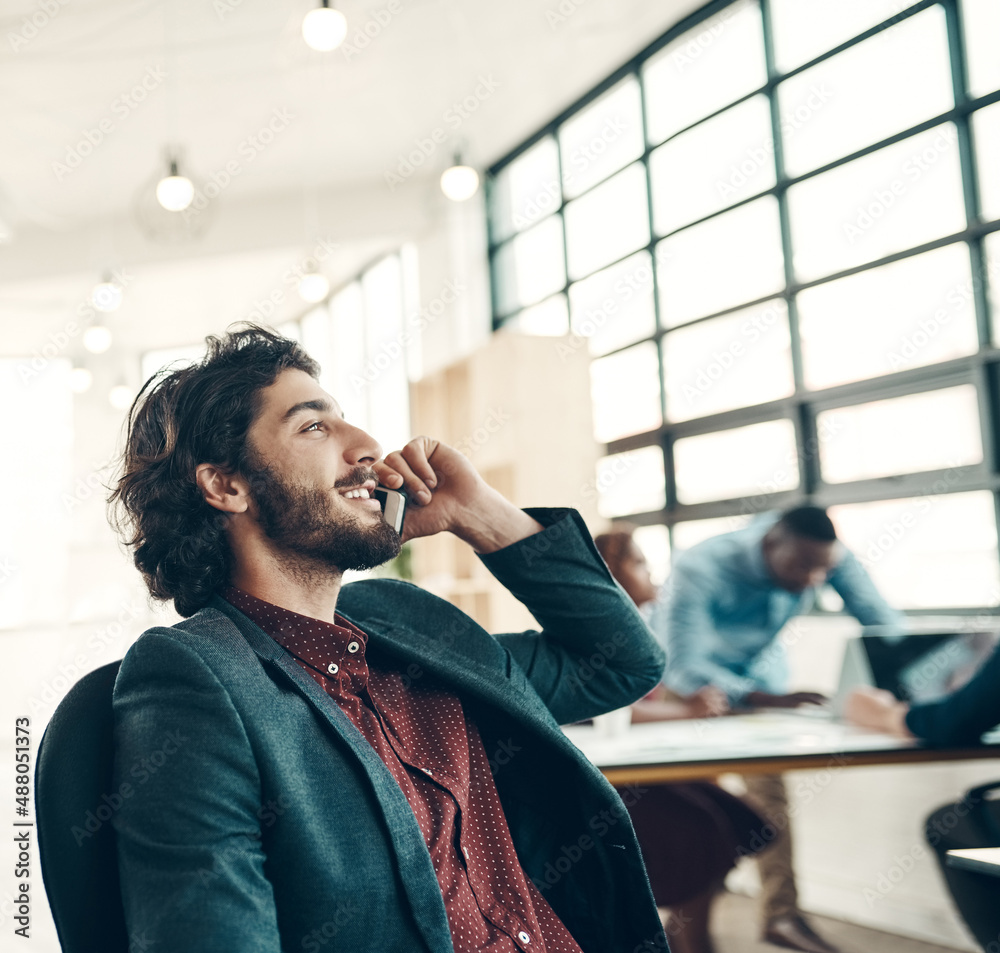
(761, 734)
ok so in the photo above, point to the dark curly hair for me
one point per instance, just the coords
(181, 419)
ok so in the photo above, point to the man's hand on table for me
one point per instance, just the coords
(878, 709)
(707, 702)
(659, 705)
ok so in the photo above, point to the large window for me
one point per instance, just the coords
(782, 245)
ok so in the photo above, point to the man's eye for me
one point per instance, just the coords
(312, 427)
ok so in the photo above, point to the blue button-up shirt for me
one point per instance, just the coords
(720, 610)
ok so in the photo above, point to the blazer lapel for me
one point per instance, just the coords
(417, 872)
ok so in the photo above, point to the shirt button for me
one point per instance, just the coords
(333, 668)
(524, 937)
(352, 647)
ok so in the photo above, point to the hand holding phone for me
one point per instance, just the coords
(449, 496)
(393, 503)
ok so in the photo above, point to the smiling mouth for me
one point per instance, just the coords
(362, 494)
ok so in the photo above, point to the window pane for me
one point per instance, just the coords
(937, 430)
(525, 191)
(654, 541)
(389, 408)
(317, 339)
(987, 134)
(713, 165)
(603, 138)
(888, 83)
(744, 461)
(348, 316)
(608, 222)
(720, 263)
(929, 552)
(615, 306)
(550, 318)
(631, 482)
(692, 532)
(530, 266)
(733, 361)
(982, 27)
(794, 23)
(710, 66)
(911, 313)
(991, 253)
(37, 483)
(893, 199)
(382, 287)
(625, 389)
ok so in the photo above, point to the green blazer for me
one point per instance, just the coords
(253, 816)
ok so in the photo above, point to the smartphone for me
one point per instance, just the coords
(393, 503)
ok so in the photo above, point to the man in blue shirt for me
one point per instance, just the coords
(719, 616)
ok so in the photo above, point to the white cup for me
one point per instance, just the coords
(614, 723)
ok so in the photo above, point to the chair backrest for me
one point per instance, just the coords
(74, 805)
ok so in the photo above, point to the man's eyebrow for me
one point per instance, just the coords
(319, 405)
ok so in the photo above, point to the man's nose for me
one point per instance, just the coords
(361, 448)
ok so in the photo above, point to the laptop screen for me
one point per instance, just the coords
(926, 666)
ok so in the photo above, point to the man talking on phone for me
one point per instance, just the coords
(358, 767)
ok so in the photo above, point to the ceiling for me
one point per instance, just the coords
(93, 92)
(216, 72)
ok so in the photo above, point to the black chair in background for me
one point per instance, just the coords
(73, 803)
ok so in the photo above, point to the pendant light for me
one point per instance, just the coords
(459, 182)
(174, 191)
(324, 28)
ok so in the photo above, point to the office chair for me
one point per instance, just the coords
(76, 842)
(972, 822)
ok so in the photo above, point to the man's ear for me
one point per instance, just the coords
(228, 492)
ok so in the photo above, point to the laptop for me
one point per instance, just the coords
(916, 667)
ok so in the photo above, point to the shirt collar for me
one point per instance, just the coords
(324, 646)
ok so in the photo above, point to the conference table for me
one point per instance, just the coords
(767, 741)
(980, 860)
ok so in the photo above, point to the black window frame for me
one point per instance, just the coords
(982, 368)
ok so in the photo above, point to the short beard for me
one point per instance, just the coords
(309, 534)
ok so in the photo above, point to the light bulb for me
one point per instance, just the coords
(120, 397)
(80, 380)
(174, 192)
(324, 29)
(460, 182)
(106, 296)
(313, 287)
(97, 339)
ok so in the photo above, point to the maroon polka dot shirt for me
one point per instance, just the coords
(437, 757)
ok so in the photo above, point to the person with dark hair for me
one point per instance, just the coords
(311, 765)
(691, 834)
(719, 616)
